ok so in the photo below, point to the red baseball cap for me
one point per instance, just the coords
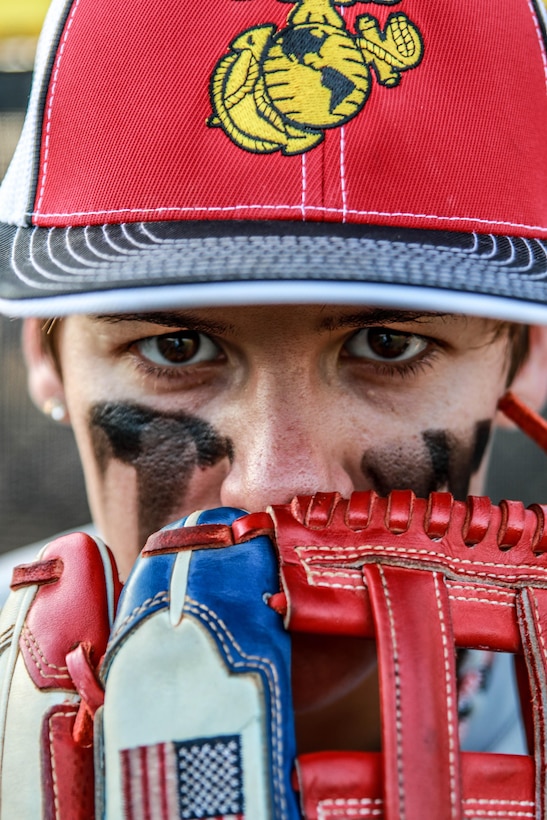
(190, 154)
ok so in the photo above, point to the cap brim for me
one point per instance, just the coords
(144, 266)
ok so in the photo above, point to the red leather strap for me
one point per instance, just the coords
(206, 536)
(340, 784)
(67, 612)
(37, 572)
(67, 768)
(82, 672)
(532, 607)
(416, 661)
(322, 580)
(78, 589)
(349, 785)
(423, 576)
(524, 417)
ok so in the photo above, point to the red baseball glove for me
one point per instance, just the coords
(198, 720)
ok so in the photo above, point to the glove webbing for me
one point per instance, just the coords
(422, 577)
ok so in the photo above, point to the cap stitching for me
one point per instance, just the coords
(304, 187)
(99, 275)
(352, 211)
(303, 206)
(540, 39)
(343, 154)
(50, 106)
(343, 172)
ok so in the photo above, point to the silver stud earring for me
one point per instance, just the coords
(56, 410)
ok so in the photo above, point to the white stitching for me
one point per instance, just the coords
(439, 559)
(481, 601)
(337, 586)
(482, 801)
(449, 699)
(325, 813)
(538, 624)
(540, 40)
(51, 99)
(343, 210)
(350, 807)
(219, 627)
(487, 590)
(397, 672)
(343, 172)
(159, 598)
(541, 687)
(52, 757)
(304, 187)
(321, 579)
(37, 655)
(322, 209)
(327, 809)
(499, 815)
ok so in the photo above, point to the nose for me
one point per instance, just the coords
(284, 445)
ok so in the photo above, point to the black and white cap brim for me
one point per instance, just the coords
(147, 266)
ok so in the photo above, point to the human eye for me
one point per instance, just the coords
(183, 348)
(388, 347)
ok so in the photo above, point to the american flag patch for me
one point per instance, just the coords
(190, 780)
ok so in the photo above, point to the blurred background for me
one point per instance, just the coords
(41, 486)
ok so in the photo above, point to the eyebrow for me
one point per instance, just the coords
(381, 316)
(180, 321)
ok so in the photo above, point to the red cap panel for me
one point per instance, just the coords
(417, 114)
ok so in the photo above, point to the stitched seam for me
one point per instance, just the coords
(352, 807)
(519, 579)
(538, 624)
(350, 801)
(540, 684)
(449, 699)
(342, 813)
(7, 634)
(477, 588)
(52, 758)
(7, 638)
(337, 586)
(51, 99)
(540, 40)
(398, 711)
(44, 666)
(343, 172)
(324, 582)
(219, 627)
(480, 601)
(471, 813)
(323, 209)
(531, 639)
(335, 573)
(482, 801)
(159, 598)
(304, 187)
(323, 575)
(379, 552)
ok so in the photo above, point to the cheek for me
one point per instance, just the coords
(165, 451)
(440, 459)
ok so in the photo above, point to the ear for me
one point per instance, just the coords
(45, 384)
(530, 382)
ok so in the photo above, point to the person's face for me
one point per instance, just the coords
(250, 406)
(246, 407)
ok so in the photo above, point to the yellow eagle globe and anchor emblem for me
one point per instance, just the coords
(279, 90)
